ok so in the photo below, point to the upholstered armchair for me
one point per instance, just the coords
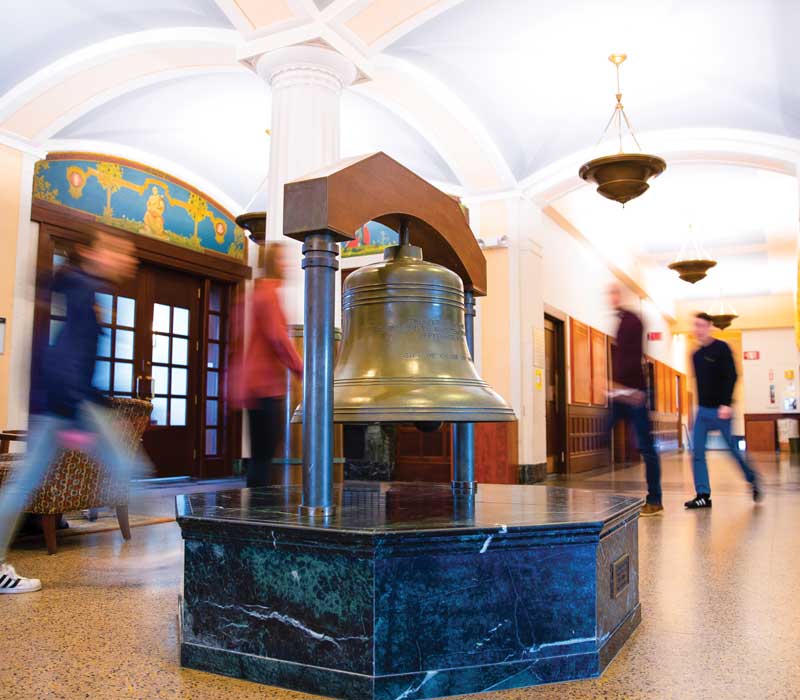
(75, 482)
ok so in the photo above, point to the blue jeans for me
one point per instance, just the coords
(43, 448)
(706, 421)
(639, 417)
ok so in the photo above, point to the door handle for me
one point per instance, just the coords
(147, 378)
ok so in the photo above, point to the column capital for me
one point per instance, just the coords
(304, 64)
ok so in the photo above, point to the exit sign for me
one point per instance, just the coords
(752, 355)
(655, 335)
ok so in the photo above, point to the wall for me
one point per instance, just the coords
(575, 280)
(779, 354)
(10, 179)
(542, 265)
(493, 312)
(575, 283)
(773, 311)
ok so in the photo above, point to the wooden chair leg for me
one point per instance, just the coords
(124, 522)
(49, 530)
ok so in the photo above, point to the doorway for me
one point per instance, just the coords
(555, 395)
(164, 339)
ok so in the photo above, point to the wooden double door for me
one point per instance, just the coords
(164, 339)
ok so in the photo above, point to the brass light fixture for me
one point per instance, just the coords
(692, 268)
(722, 314)
(255, 223)
(622, 176)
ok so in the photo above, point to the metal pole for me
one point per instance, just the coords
(320, 264)
(464, 433)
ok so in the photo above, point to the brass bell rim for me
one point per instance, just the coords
(410, 381)
(348, 304)
(404, 414)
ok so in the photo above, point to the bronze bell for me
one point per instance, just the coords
(404, 355)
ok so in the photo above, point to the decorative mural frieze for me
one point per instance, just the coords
(138, 199)
(371, 238)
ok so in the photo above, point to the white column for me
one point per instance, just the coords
(526, 347)
(306, 83)
(21, 339)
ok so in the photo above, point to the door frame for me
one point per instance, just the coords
(207, 267)
(561, 351)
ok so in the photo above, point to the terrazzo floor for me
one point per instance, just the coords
(719, 591)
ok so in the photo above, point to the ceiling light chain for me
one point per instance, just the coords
(618, 115)
(622, 176)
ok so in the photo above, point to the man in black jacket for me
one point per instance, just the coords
(716, 376)
(628, 397)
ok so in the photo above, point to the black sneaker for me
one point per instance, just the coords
(701, 500)
(758, 494)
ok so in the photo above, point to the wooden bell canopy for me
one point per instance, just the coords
(344, 196)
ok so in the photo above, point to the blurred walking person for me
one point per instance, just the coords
(628, 395)
(258, 377)
(66, 411)
(715, 372)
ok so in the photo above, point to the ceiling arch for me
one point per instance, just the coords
(535, 73)
(59, 93)
(39, 34)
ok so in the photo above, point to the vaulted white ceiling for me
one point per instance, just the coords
(477, 96)
(536, 74)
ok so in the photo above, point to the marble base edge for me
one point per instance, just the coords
(616, 640)
(532, 473)
(413, 686)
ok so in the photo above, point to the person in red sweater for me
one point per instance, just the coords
(259, 381)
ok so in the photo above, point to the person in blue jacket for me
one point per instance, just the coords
(63, 400)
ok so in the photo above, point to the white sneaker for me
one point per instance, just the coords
(11, 582)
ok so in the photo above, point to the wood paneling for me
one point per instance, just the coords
(761, 430)
(599, 368)
(496, 453)
(580, 363)
(761, 435)
(666, 430)
(587, 439)
(423, 456)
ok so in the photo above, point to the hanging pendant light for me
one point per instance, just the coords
(622, 176)
(255, 223)
(692, 263)
(722, 314)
